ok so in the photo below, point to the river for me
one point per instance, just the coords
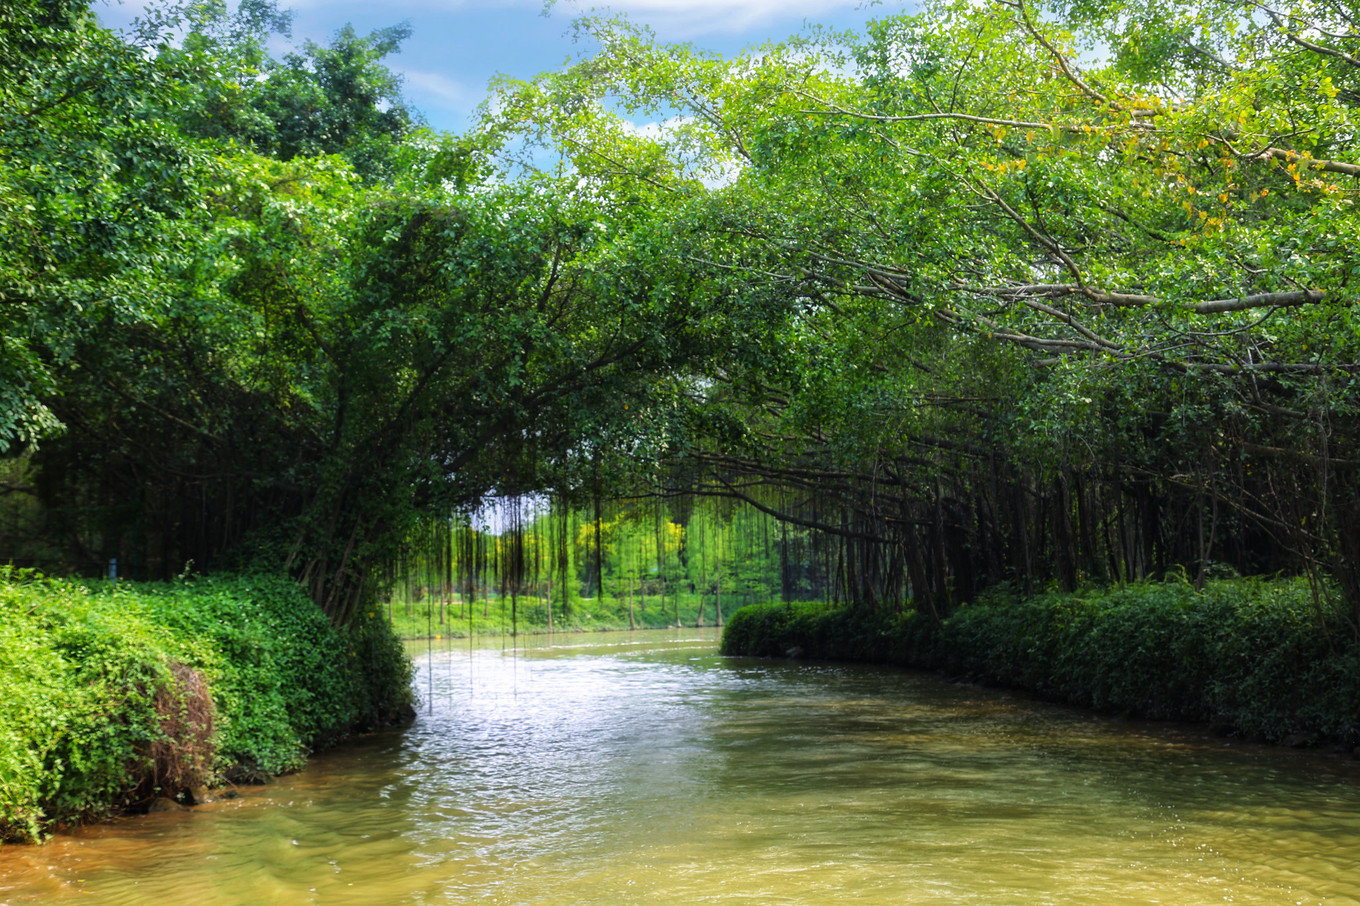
(644, 768)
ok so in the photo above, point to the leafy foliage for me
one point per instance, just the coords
(339, 99)
(1019, 292)
(1250, 656)
(84, 665)
(1049, 291)
(98, 198)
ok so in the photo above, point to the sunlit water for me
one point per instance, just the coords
(644, 768)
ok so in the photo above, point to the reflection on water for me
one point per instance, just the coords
(644, 768)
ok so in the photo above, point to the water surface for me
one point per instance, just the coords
(643, 768)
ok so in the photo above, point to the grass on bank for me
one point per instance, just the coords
(1256, 658)
(115, 693)
(417, 619)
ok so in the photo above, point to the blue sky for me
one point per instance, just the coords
(459, 45)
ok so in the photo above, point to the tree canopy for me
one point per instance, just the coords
(1071, 286)
(1004, 292)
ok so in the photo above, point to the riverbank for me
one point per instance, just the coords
(1253, 658)
(117, 694)
(644, 768)
(529, 615)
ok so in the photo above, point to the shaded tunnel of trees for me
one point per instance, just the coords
(953, 303)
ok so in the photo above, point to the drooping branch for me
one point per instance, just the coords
(1031, 291)
(1041, 125)
(1313, 163)
(1303, 42)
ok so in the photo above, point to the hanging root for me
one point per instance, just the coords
(181, 758)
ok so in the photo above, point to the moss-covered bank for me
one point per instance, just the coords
(115, 693)
(1254, 658)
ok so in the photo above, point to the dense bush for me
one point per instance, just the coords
(1255, 657)
(99, 710)
(809, 629)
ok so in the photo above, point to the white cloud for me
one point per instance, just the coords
(120, 13)
(689, 18)
(435, 87)
(657, 131)
(722, 12)
(671, 18)
(698, 159)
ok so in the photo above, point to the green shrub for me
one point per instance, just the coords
(98, 711)
(1256, 657)
(809, 629)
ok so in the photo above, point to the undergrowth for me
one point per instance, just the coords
(118, 692)
(1257, 658)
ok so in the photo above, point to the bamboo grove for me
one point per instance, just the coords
(541, 565)
(1010, 292)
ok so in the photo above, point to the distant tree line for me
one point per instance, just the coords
(687, 561)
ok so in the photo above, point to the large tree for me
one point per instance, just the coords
(96, 197)
(1073, 287)
(232, 352)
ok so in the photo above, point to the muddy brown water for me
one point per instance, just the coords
(644, 768)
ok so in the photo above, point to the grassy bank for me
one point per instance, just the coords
(490, 617)
(1254, 658)
(116, 693)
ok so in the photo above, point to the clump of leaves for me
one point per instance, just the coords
(118, 692)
